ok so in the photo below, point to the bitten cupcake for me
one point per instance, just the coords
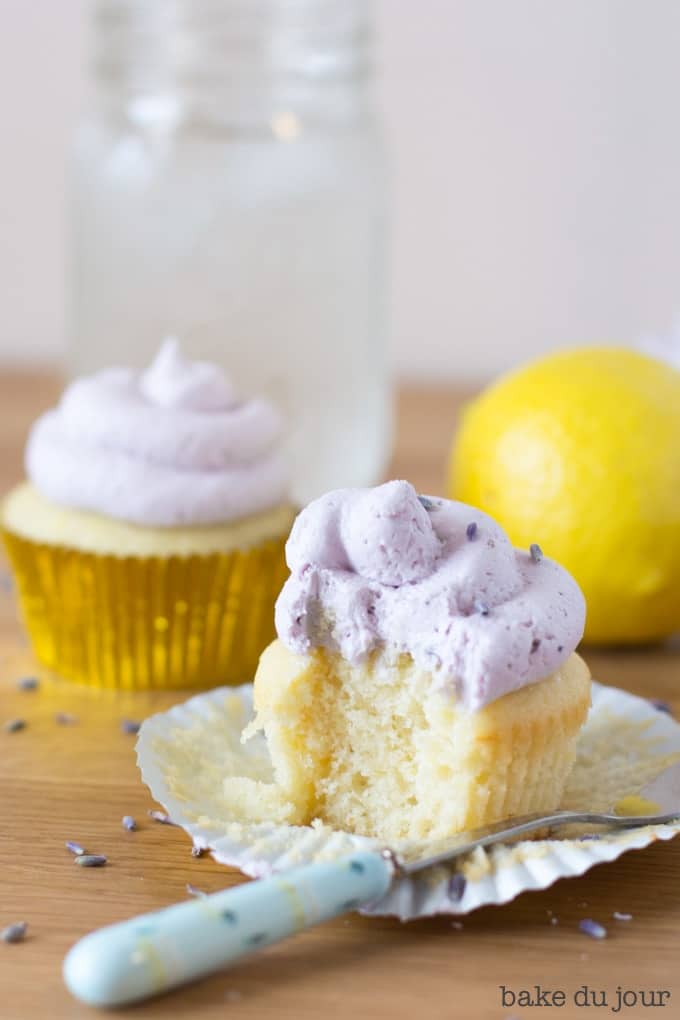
(424, 679)
(148, 541)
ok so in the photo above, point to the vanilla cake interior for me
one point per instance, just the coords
(381, 749)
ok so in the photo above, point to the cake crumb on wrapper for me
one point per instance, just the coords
(186, 753)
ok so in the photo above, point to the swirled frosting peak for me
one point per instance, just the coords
(172, 445)
(439, 580)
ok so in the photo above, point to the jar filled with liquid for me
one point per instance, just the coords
(230, 189)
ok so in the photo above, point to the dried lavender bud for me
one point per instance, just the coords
(91, 860)
(481, 607)
(456, 886)
(426, 502)
(130, 726)
(535, 644)
(195, 891)
(65, 718)
(160, 816)
(592, 928)
(14, 932)
(535, 552)
(471, 531)
(75, 848)
(198, 851)
(458, 925)
(129, 823)
(618, 916)
(589, 835)
(661, 706)
(14, 725)
(28, 683)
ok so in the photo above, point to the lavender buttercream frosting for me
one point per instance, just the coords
(172, 445)
(440, 580)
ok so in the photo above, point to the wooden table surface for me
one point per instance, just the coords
(76, 782)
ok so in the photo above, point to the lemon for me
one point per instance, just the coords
(580, 452)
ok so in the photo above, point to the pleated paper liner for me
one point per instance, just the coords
(148, 622)
(186, 753)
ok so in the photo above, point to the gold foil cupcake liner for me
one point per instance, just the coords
(148, 622)
(186, 753)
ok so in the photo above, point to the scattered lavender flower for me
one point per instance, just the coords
(590, 835)
(535, 644)
(160, 816)
(198, 851)
(592, 928)
(193, 890)
(75, 848)
(14, 932)
(458, 925)
(535, 552)
(28, 683)
(91, 860)
(130, 726)
(618, 916)
(482, 607)
(471, 531)
(456, 886)
(426, 502)
(661, 706)
(65, 718)
(14, 725)
(129, 823)
(553, 920)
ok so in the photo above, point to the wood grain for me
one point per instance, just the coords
(76, 782)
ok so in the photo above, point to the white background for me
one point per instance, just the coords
(536, 151)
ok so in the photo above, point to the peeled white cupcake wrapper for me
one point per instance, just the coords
(184, 755)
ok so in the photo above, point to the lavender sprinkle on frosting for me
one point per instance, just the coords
(535, 552)
(14, 932)
(482, 607)
(426, 502)
(661, 706)
(592, 928)
(471, 531)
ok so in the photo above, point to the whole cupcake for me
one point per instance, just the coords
(148, 541)
(423, 681)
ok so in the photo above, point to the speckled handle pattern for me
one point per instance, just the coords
(135, 959)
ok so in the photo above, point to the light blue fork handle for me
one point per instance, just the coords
(150, 954)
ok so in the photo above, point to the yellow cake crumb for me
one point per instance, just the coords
(379, 750)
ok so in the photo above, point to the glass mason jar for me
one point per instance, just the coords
(230, 190)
